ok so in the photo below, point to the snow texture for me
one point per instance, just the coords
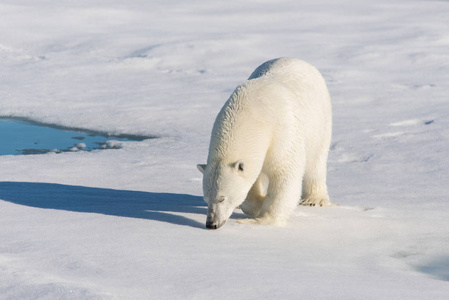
(129, 223)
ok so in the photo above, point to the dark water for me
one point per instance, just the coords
(22, 137)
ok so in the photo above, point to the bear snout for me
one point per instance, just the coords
(211, 225)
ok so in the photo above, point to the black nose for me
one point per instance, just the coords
(210, 225)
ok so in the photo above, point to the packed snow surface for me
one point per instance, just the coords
(129, 223)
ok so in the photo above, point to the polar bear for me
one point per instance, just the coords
(269, 145)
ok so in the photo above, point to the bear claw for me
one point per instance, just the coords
(316, 202)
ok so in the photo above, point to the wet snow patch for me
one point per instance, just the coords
(24, 137)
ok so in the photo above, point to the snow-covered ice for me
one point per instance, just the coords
(129, 223)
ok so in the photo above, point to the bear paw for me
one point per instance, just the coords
(316, 202)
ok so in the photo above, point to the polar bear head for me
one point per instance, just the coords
(225, 186)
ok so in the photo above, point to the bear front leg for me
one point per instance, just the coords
(256, 196)
(281, 200)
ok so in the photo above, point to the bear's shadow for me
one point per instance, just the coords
(132, 204)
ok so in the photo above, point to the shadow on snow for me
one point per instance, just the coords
(132, 204)
(437, 268)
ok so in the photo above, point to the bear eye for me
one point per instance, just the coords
(221, 199)
(239, 166)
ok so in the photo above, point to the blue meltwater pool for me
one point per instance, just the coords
(22, 137)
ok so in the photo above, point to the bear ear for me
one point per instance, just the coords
(239, 166)
(201, 167)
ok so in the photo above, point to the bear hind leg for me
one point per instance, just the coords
(314, 185)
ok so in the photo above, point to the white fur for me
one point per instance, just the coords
(269, 145)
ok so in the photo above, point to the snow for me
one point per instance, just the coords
(128, 223)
